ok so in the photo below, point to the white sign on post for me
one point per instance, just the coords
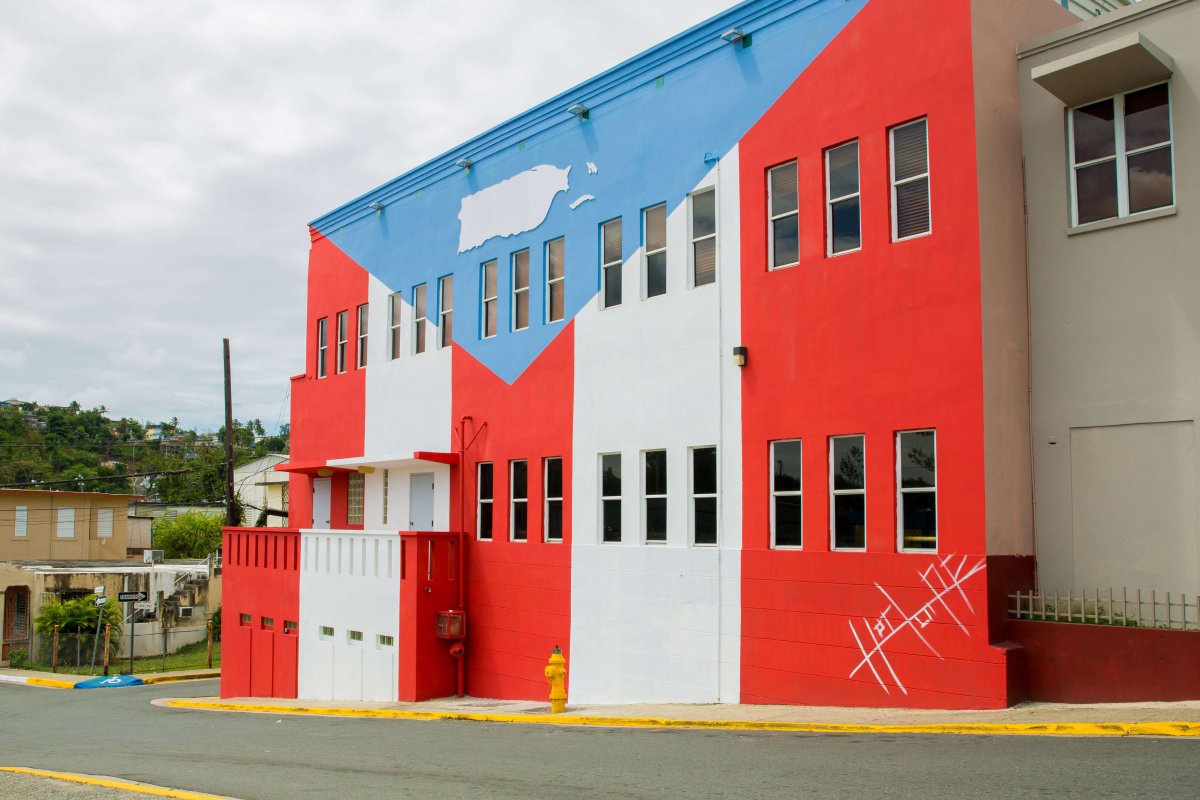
(100, 601)
(98, 590)
(144, 606)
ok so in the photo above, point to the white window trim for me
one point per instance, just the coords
(645, 497)
(618, 265)
(326, 632)
(322, 347)
(362, 316)
(388, 645)
(445, 313)
(513, 500)
(64, 521)
(546, 498)
(1121, 157)
(343, 340)
(518, 291)
(420, 330)
(354, 638)
(104, 521)
(647, 252)
(21, 523)
(830, 200)
(480, 501)
(901, 491)
(550, 282)
(485, 298)
(395, 322)
(835, 493)
(785, 492)
(694, 496)
(772, 218)
(693, 239)
(927, 175)
(603, 497)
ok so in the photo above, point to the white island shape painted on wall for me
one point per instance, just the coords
(513, 206)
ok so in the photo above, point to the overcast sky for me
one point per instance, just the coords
(161, 161)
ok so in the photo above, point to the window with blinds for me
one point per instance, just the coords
(783, 209)
(66, 524)
(611, 261)
(910, 180)
(488, 297)
(704, 237)
(419, 312)
(654, 232)
(446, 311)
(520, 290)
(104, 523)
(556, 279)
(22, 524)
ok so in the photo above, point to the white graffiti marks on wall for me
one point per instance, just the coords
(947, 599)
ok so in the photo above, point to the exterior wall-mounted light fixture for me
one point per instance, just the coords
(740, 354)
(465, 163)
(376, 206)
(735, 35)
(579, 110)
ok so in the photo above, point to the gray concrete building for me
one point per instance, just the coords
(1111, 139)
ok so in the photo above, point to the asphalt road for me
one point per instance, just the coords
(117, 732)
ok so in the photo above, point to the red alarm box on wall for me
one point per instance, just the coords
(451, 624)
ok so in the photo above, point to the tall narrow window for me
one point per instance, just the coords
(610, 497)
(419, 318)
(843, 223)
(787, 529)
(556, 280)
(395, 306)
(354, 498)
(483, 515)
(910, 180)
(66, 524)
(704, 237)
(916, 457)
(783, 208)
(322, 346)
(21, 528)
(1121, 155)
(446, 311)
(611, 261)
(343, 339)
(362, 335)
(104, 523)
(704, 495)
(848, 487)
(520, 290)
(654, 243)
(518, 516)
(488, 298)
(384, 512)
(655, 494)
(553, 492)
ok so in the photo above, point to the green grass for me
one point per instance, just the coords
(191, 656)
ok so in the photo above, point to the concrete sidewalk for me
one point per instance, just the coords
(1118, 719)
(62, 680)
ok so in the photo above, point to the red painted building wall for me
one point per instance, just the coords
(873, 342)
(428, 584)
(518, 593)
(261, 569)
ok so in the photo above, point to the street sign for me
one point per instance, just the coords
(101, 601)
(125, 597)
(98, 590)
(144, 606)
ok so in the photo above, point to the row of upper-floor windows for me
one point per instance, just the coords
(61, 519)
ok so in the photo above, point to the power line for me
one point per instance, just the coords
(85, 479)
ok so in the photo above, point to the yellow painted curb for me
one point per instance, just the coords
(982, 728)
(198, 676)
(50, 683)
(109, 783)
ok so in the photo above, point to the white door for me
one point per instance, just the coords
(420, 502)
(320, 504)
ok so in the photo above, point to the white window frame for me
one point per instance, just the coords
(64, 524)
(694, 240)
(617, 265)
(385, 641)
(513, 500)
(830, 200)
(104, 523)
(1120, 155)
(519, 292)
(926, 175)
(611, 497)
(395, 321)
(836, 493)
(21, 523)
(702, 496)
(647, 497)
(322, 347)
(325, 632)
(420, 331)
(362, 314)
(647, 252)
(480, 501)
(901, 491)
(354, 638)
(343, 340)
(445, 312)
(547, 499)
(785, 492)
(552, 282)
(773, 218)
(489, 305)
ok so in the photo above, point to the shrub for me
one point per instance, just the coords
(193, 534)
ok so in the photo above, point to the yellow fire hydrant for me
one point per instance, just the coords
(556, 676)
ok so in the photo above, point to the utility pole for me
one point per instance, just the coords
(231, 514)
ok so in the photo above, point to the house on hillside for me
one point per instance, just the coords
(261, 486)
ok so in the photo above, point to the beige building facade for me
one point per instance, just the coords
(1111, 141)
(63, 525)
